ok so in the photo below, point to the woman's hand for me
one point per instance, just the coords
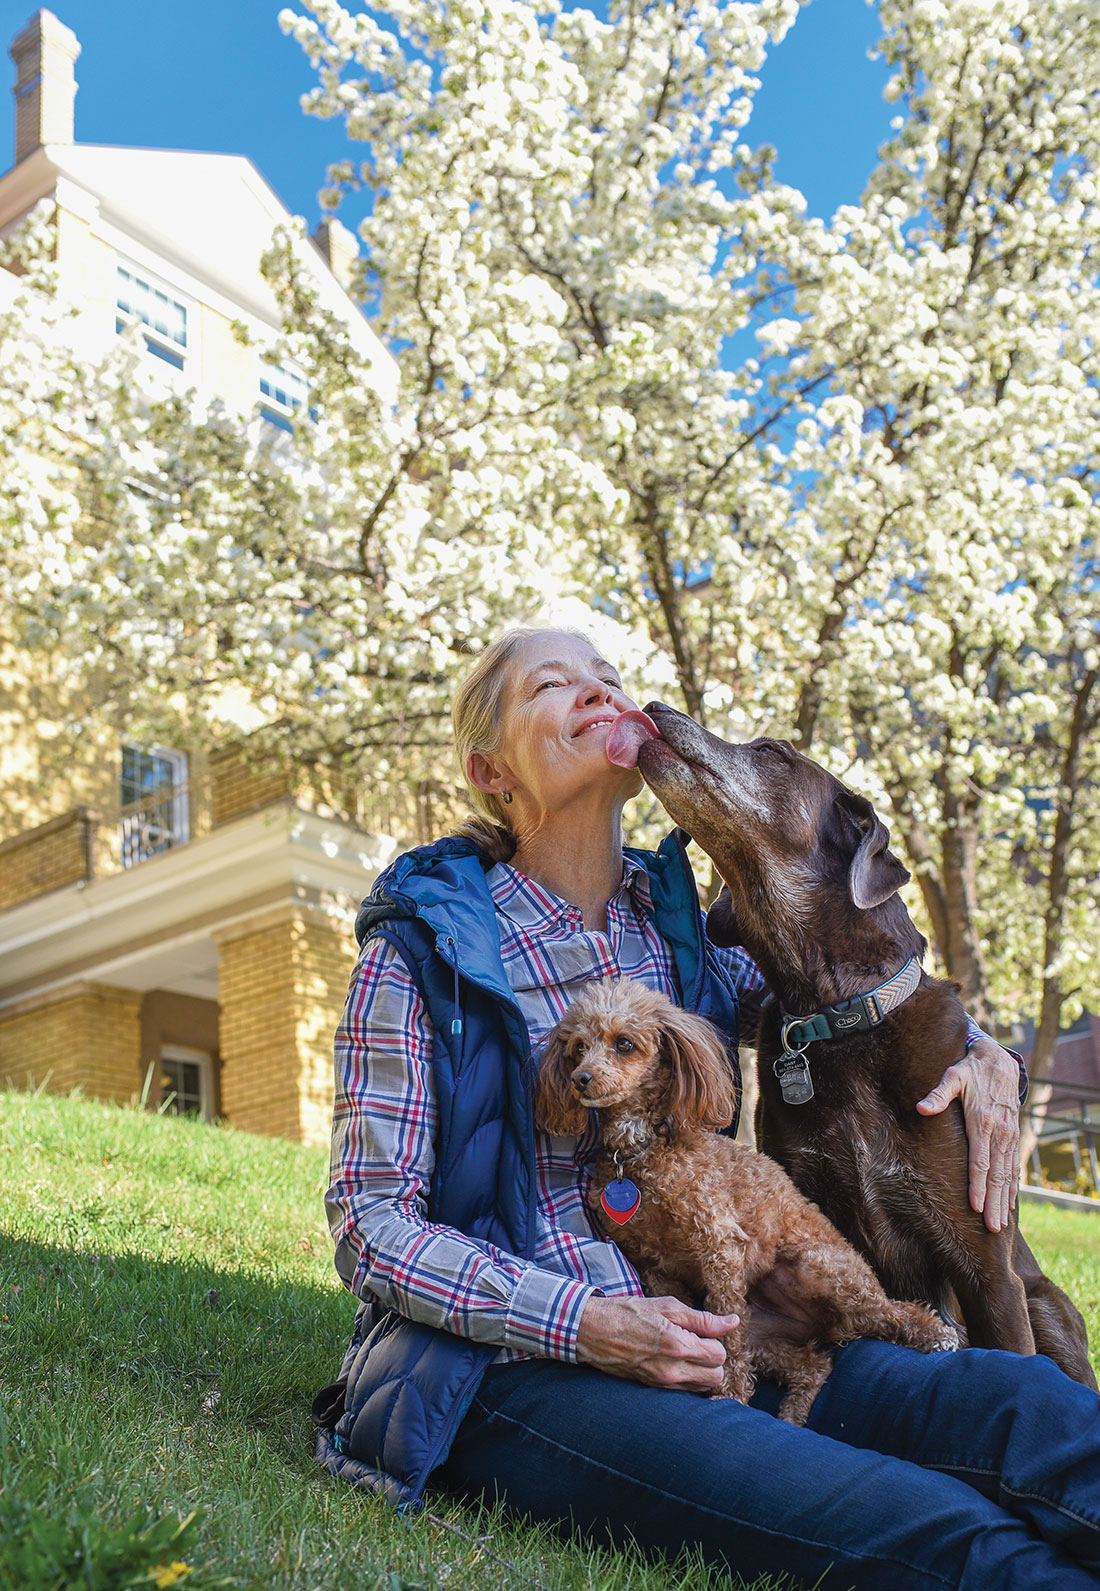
(658, 1341)
(987, 1081)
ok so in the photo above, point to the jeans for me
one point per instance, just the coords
(977, 1469)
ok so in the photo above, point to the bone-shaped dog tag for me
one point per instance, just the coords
(794, 1077)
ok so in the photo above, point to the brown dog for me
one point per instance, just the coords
(817, 907)
(702, 1216)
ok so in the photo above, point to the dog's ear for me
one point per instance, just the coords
(722, 925)
(557, 1108)
(875, 873)
(702, 1092)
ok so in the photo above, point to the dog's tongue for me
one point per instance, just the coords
(628, 733)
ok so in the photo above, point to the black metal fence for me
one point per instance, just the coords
(1066, 1119)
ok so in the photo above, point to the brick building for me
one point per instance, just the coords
(169, 921)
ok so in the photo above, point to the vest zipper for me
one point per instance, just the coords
(456, 1025)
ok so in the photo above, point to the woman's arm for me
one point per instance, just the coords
(384, 1123)
(991, 1084)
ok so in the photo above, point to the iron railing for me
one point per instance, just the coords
(1068, 1121)
(158, 822)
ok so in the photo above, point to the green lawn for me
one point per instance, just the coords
(168, 1307)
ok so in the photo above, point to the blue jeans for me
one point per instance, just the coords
(976, 1470)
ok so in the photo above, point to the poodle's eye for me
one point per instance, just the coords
(624, 1045)
(578, 1049)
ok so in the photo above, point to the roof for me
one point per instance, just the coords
(213, 214)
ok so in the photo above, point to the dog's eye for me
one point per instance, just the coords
(624, 1045)
(778, 748)
(578, 1050)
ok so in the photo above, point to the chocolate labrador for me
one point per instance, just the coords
(857, 1032)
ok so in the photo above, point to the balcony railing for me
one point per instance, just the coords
(1068, 1130)
(82, 845)
(156, 823)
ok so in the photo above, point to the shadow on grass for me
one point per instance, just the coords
(193, 1340)
(133, 1383)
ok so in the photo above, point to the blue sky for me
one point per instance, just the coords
(220, 75)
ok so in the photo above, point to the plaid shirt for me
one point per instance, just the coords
(384, 1126)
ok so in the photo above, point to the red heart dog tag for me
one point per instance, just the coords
(619, 1200)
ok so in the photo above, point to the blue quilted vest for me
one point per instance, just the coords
(404, 1387)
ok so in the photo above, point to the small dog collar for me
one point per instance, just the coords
(857, 1015)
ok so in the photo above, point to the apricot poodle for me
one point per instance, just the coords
(699, 1215)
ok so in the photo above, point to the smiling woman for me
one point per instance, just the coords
(557, 702)
(503, 1346)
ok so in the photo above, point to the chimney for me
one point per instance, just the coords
(339, 247)
(45, 88)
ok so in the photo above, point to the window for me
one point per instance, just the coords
(140, 298)
(283, 390)
(153, 802)
(185, 1082)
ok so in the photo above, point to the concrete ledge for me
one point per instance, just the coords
(1067, 1201)
(279, 857)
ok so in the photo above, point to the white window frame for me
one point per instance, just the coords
(151, 334)
(269, 405)
(205, 1063)
(181, 805)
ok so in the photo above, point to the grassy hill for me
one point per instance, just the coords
(168, 1307)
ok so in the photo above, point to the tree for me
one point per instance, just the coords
(946, 492)
(875, 533)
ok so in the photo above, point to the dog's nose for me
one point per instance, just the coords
(581, 1081)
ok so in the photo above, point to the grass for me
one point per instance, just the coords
(168, 1308)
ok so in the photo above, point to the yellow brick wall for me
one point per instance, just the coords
(45, 858)
(238, 786)
(51, 756)
(281, 991)
(324, 959)
(257, 997)
(90, 1036)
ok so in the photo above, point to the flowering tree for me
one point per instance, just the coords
(950, 631)
(875, 534)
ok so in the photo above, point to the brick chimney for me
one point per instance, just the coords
(45, 87)
(339, 247)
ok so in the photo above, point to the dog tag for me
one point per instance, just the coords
(620, 1199)
(794, 1077)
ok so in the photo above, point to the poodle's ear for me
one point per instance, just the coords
(703, 1092)
(722, 925)
(557, 1108)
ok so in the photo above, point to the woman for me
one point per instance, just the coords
(502, 1344)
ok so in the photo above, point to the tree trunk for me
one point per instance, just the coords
(670, 597)
(962, 953)
(1041, 1065)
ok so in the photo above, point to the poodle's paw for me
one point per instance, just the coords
(923, 1329)
(947, 1339)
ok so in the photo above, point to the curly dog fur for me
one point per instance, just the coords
(716, 1220)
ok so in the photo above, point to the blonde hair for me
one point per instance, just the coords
(475, 714)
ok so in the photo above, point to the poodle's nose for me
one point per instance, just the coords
(581, 1081)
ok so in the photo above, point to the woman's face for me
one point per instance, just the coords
(556, 707)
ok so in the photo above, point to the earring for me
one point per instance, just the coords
(506, 797)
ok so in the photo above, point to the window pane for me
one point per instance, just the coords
(153, 798)
(184, 1079)
(283, 386)
(152, 307)
(144, 773)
